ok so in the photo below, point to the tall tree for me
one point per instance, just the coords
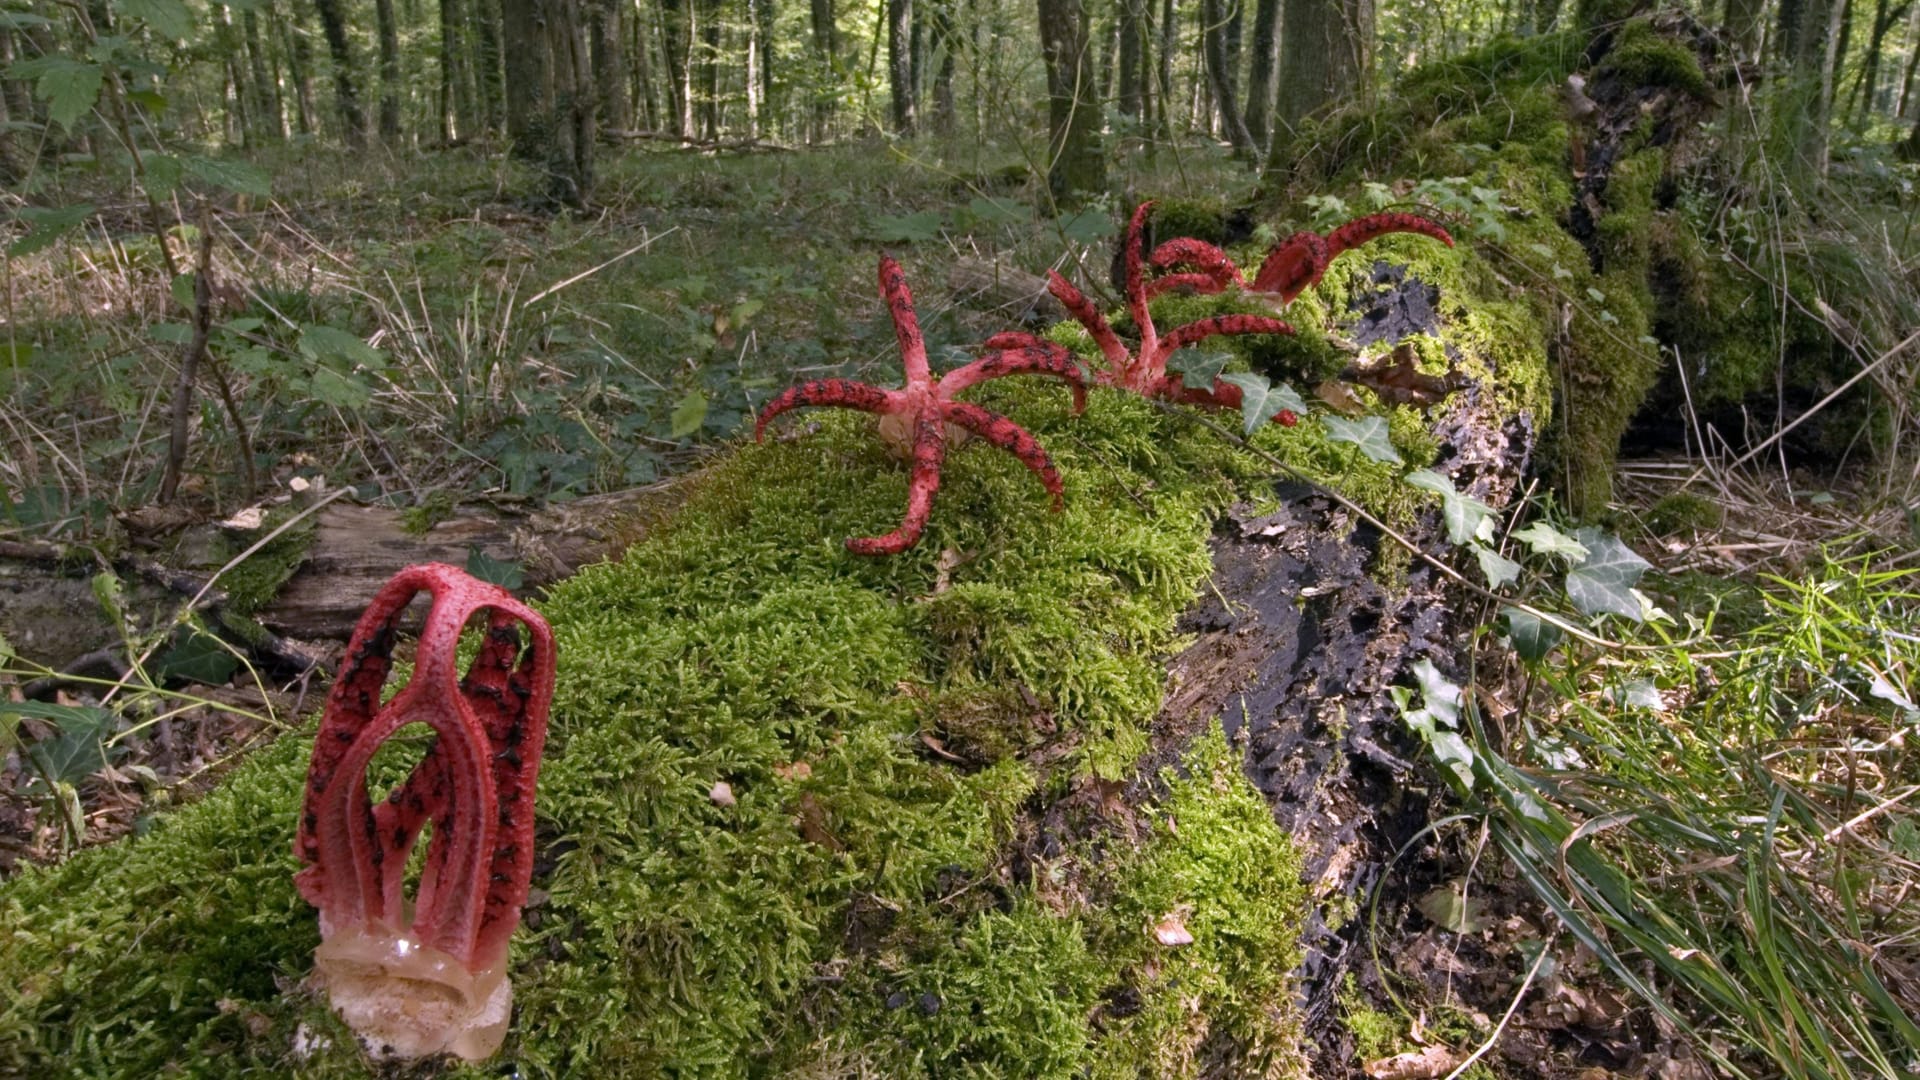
(1220, 75)
(946, 48)
(1326, 54)
(708, 67)
(1076, 165)
(550, 114)
(1867, 85)
(489, 77)
(1260, 71)
(270, 120)
(1810, 32)
(1746, 27)
(452, 61)
(676, 51)
(900, 63)
(1132, 61)
(300, 71)
(389, 70)
(609, 64)
(333, 24)
(826, 50)
(1163, 73)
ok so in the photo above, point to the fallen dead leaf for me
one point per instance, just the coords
(799, 770)
(813, 824)
(1172, 930)
(1416, 1065)
(1398, 380)
(933, 743)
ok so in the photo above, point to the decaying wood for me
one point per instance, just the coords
(1002, 290)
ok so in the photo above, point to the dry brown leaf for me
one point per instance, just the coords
(1339, 397)
(1172, 930)
(1398, 380)
(933, 743)
(813, 824)
(1426, 1064)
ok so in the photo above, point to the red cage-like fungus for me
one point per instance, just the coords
(426, 974)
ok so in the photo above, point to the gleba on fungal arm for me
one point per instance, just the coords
(422, 975)
(915, 418)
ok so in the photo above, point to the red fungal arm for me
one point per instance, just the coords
(1136, 287)
(906, 326)
(1014, 339)
(842, 392)
(1373, 226)
(1294, 264)
(1014, 439)
(476, 784)
(929, 451)
(1212, 270)
(1201, 329)
(1087, 315)
(1044, 358)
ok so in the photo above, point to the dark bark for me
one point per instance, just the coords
(708, 67)
(268, 117)
(610, 64)
(1746, 28)
(346, 98)
(1906, 81)
(1326, 54)
(452, 125)
(766, 28)
(644, 105)
(676, 50)
(1163, 73)
(299, 52)
(1261, 71)
(1128, 81)
(389, 70)
(1867, 87)
(1076, 164)
(1220, 80)
(946, 47)
(900, 63)
(489, 80)
(550, 114)
(825, 52)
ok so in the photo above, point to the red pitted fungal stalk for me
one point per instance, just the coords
(1291, 267)
(427, 974)
(915, 419)
(1143, 369)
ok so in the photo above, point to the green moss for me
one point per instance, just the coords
(1683, 513)
(253, 584)
(1202, 219)
(1376, 1034)
(1641, 56)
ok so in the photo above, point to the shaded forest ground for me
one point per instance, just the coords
(753, 271)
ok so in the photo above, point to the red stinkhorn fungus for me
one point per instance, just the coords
(915, 418)
(1143, 369)
(1291, 267)
(426, 974)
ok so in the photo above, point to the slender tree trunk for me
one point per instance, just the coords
(609, 64)
(1746, 28)
(1913, 60)
(346, 99)
(639, 36)
(529, 77)
(1132, 17)
(489, 78)
(1108, 35)
(825, 52)
(708, 14)
(946, 47)
(900, 63)
(1260, 74)
(268, 119)
(756, 92)
(1213, 45)
(236, 96)
(1169, 43)
(676, 48)
(1326, 54)
(574, 102)
(389, 70)
(444, 104)
(1868, 86)
(766, 26)
(300, 71)
(1077, 166)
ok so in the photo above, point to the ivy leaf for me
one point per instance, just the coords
(1369, 433)
(1260, 400)
(1531, 636)
(199, 658)
(77, 752)
(1544, 539)
(1603, 583)
(47, 226)
(1197, 369)
(688, 415)
(1466, 516)
(1442, 696)
(169, 18)
(69, 86)
(1499, 569)
(236, 176)
(505, 573)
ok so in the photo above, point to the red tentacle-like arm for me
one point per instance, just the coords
(1212, 271)
(427, 975)
(1014, 439)
(917, 415)
(1087, 315)
(1201, 329)
(1294, 264)
(1373, 226)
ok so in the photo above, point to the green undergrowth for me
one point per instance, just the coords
(851, 910)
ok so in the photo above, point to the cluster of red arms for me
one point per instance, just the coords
(422, 975)
(916, 417)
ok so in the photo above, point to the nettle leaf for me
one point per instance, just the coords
(336, 348)
(68, 86)
(48, 225)
(1499, 569)
(235, 176)
(1466, 516)
(1369, 433)
(1531, 636)
(168, 18)
(1197, 369)
(505, 573)
(341, 390)
(1544, 539)
(1603, 583)
(688, 415)
(1261, 401)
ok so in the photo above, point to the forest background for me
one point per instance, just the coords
(511, 255)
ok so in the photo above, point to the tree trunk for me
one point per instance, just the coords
(609, 64)
(452, 125)
(1220, 70)
(766, 26)
(900, 63)
(708, 14)
(1913, 60)
(945, 49)
(1132, 17)
(825, 52)
(1076, 166)
(300, 72)
(1260, 74)
(639, 38)
(676, 50)
(550, 114)
(1746, 28)
(346, 99)
(1163, 74)
(268, 116)
(1326, 54)
(756, 91)
(1867, 87)
(489, 81)
(389, 70)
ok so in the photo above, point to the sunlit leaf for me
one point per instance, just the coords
(1261, 401)
(1531, 636)
(1369, 433)
(1603, 583)
(688, 415)
(69, 86)
(168, 18)
(1466, 516)
(1544, 539)
(1499, 569)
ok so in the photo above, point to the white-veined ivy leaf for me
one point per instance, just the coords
(1531, 636)
(1544, 539)
(1639, 694)
(342, 390)
(1466, 516)
(199, 658)
(78, 751)
(1442, 697)
(169, 18)
(688, 415)
(1604, 582)
(1197, 369)
(505, 573)
(1260, 400)
(1499, 569)
(1596, 295)
(1369, 433)
(47, 224)
(235, 176)
(68, 86)
(333, 347)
